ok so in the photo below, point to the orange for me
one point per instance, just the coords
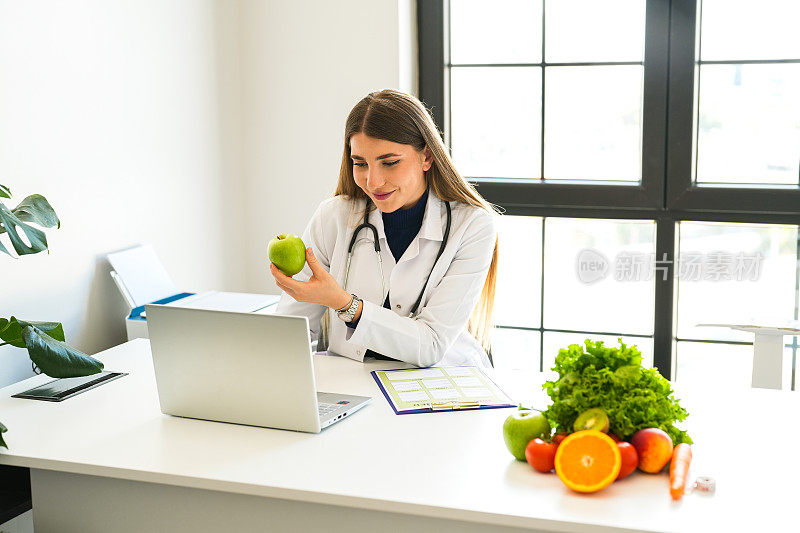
(588, 461)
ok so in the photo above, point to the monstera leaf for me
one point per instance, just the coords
(33, 209)
(46, 348)
(11, 330)
(55, 358)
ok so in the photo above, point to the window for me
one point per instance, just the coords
(654, 144)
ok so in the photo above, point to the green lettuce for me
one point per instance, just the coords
(614, 380)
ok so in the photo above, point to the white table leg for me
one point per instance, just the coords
(768, 361)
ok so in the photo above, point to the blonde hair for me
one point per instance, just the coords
(399, 117)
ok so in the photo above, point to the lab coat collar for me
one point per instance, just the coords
(432, 219)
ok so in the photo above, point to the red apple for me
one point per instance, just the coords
(630, 459)
(654, 447)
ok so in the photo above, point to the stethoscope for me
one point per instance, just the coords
(377, 246)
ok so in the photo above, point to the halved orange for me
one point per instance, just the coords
(588, 461)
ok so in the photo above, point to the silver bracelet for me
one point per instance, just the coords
(348, 312)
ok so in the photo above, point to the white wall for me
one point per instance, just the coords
(305, 64)
(202, 126)
(124, 114)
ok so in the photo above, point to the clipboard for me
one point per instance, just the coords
(439, 389)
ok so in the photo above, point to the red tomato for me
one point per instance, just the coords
(630, 459)
(541, 455)
(614, 437)
(558, 437)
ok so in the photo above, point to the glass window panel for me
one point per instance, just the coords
(734, 273)
(743, 29)
(593, 123)
(554, 341)
(579, 294)
(501, 31)
(749, 124)
(496, 121)
(588, 30)
(518, 294)
(712, 366)
(515, 348)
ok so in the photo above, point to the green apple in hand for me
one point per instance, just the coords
(523, 426)
(288, 253)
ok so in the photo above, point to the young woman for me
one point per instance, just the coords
(419, 285)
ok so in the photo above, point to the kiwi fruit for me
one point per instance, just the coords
(594, 418)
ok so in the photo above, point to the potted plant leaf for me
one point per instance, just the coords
(44, 341)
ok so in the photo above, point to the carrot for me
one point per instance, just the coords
(679, 469)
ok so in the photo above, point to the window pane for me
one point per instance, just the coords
(496, 121)
(518, 295)
(749, 124)
(579, 294)
(515, 348)
(593, 123)
(588, 30)
(734, 273)
(554, 341)
(502, 31)
(713, 366)
(743, 29)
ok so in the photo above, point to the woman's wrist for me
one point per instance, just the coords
(342, 301)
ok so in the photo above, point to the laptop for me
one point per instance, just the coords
(243, 368)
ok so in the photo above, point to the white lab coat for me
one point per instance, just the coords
(437, 333)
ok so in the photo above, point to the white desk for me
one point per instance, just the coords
(108, 460)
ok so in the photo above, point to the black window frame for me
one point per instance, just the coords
(666, 194)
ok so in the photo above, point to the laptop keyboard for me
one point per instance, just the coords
(327, 408)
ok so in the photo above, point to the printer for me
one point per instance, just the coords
(142, 279)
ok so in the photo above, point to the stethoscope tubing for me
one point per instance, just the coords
(377, 252)
(377, 246)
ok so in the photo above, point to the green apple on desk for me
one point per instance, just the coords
(523, 426)
(288, 253)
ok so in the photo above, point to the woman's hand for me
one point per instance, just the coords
(321, 288)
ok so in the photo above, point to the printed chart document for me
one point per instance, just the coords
(444, 388)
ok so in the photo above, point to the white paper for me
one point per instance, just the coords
(478, 392)
(415, 374)
(437, 383)
(460, 371)
(143, 274)
(413, 396)
(468, 382)
(445, 394)
(406, 385)
(269, 309)
(226, 301)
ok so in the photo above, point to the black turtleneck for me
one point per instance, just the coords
(402, 225)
